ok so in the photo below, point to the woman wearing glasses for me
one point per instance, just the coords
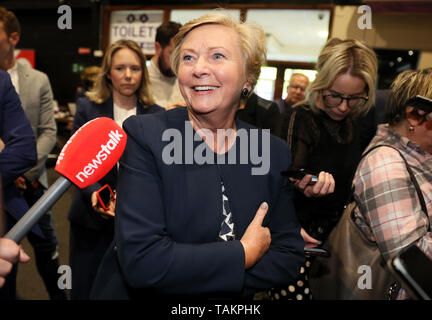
(325, 140)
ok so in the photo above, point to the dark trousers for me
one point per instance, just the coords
(87, 248)
(46, 247)
(46, 253)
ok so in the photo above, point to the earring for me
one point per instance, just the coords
(244, 92)
(411, 128)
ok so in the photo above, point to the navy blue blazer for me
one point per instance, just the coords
(168, 216)
(19, 154)
(81, 211)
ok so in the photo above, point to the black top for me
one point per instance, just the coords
(260, 113)
(319, 143)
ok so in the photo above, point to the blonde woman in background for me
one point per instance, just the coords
(325, 140)
(121, 90)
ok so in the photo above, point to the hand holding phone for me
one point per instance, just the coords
(299, 174)
(316, 251)
(105, 196)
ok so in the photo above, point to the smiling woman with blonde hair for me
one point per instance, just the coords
(212, 229)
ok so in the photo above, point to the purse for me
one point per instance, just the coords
(354, 258)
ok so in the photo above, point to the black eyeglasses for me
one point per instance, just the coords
(333, 100)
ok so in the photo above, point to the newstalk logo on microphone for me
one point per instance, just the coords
(91, 152)
(102, 155)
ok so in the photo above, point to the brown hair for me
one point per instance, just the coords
(10, 21)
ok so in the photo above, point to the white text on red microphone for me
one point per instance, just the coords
(102, 155)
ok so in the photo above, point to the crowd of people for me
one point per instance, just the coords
(216, 228)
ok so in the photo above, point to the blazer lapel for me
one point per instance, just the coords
(23, 82)
(107, 108)
(140, 108)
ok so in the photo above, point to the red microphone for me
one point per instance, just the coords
(91, 152)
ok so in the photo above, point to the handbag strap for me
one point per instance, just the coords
(291, 128)
(413, 179)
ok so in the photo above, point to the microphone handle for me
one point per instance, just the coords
(24, 225)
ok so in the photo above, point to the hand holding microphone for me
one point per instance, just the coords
(87, 156)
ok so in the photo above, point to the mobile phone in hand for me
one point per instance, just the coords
(104, 196)
(316, 251)
(299, 174)
(412, 267)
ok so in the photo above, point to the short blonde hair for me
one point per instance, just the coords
(251, 37)
(339, 57)
(407, 85)
(102, 88)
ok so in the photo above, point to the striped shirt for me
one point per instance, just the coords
(389, 210)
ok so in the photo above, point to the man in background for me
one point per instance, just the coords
(163, 82)
(34, 90)
(295, 93)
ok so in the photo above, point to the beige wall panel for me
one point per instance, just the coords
(389, 31)
(425, 60)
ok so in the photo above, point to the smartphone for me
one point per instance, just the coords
(412, 267)
(299, 174)
(421, 103)
(105, 195)
(316, 251)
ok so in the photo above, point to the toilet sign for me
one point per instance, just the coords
(137, 25)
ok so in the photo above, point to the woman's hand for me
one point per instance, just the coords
(324, 186)
(20, 183)
(309, 241)
(96, 207)
(256, 239)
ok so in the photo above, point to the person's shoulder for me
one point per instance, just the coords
(24, 66)
(84, 101)
(5, 85)
(155, 108)
(302, 109)
(303, 113)
(276, 143)
(262, 103)
(156, 121)
(4, 77)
